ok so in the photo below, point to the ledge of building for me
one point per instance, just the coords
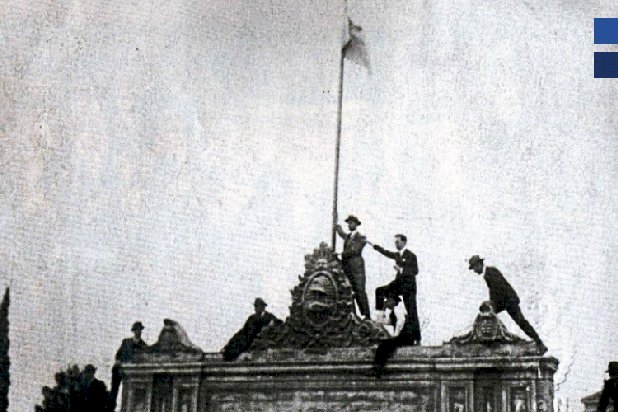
(436, 358)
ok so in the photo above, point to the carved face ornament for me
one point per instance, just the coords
(487, 327)
(321, 263)
(320, 299)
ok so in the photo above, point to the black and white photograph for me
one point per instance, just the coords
(295, 205)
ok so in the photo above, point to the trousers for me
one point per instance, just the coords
(514, 312)
(408, 291)
(387, 348)
(357, 280)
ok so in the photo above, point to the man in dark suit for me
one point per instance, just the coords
(610, 390)
(405, 332)
(403, 285)
(504, 297)
(92, 392)
(353, 262)
(243, 339)
(126, 353)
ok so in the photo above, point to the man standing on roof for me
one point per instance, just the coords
(610, 390)
(126, 353)
(403, 285)
(504, 297)
(353, 262)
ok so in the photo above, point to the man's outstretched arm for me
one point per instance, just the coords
(387, 253)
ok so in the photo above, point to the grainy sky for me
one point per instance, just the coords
(174, 159)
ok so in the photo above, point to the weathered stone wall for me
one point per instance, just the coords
(428, 379)
(321, 358)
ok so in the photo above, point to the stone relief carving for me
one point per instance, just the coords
(487, 328)
(173, 339)
(322, 312)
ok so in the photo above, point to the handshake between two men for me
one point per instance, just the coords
(406, 325)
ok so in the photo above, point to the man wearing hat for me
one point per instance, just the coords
(404, 284)
(242, 340)
(404, 333)
(610, 390)
(353, 262)
(92, 392)
(126, 353)
(504, 297)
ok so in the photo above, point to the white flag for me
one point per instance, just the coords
(353, 45)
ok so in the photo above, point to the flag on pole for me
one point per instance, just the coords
(353, 45)
(353, 48)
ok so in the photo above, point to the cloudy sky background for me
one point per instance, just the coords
(174, 159)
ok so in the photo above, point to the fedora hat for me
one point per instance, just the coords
(612, 368)
(137, 326)
(354, 219)
(474, 260)
(259, 302)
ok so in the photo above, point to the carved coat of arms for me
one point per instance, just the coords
(322, 312)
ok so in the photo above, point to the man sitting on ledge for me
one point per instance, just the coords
(404, 334)
(242, 340)
(504, 297)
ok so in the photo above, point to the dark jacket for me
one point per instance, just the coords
(610, 391)
(406, 261)
(93, 397)
(351, 257)
(242, 340)
(501, 293)
(128, 348)
(254, 324)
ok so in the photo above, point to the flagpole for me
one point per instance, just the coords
(337, 149)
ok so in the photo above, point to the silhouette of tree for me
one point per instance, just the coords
(5, 361)
(67, 395)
